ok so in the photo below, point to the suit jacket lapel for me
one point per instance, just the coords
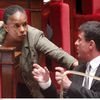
(82, 70)
(77, 78)
(97, 74)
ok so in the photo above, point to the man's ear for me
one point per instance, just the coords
(92, 44)
(5, 27)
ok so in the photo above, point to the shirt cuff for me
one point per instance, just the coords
(46, 85)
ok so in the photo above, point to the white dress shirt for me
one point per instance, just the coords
(45, 85)
(94, 65)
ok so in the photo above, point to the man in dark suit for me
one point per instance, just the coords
(88, 49)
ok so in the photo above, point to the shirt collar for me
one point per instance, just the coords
(95, 62)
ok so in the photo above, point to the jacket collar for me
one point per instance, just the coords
(26, 42)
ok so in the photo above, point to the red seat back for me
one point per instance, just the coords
(90, 6)
(56, 25)
(56, 15)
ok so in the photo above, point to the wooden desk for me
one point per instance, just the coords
(9, 61)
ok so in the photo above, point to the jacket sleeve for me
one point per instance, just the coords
(50, 49)
(76, 91)
(50, 92)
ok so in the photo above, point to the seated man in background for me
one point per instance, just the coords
(88, 49)
(31, 42)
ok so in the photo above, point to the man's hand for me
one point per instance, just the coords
(75, 64)
(40, 74)
(65, 80)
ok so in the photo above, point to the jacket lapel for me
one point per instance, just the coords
(77, 78)
(97, 74)
(82, 70)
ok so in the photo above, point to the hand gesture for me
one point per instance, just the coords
(62, 80)
(40, 74)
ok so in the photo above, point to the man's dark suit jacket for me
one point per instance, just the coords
(76, 90)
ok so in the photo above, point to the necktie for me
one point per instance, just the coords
(86, 82)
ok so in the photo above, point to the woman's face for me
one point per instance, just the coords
(17, 26)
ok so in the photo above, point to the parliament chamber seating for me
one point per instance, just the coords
(90, 6)
(55, 18)
(9, 67)
(56, 26)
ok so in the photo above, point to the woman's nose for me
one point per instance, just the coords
(22, 29)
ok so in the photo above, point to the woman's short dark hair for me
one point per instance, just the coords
(10, 11)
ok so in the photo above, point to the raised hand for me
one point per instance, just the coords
(40, 74)
(62, 80)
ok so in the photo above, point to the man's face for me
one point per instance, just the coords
(17, 26)
(82, 47)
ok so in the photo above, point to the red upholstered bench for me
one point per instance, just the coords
(56, 25)
(56, 15)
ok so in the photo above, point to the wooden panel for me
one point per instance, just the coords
(33, 5)
(7, 81)
(36, 4)
(0, 81)
(8, 61)
(36, 19)
(5, 3)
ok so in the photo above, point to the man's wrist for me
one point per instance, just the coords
(46, 84)
(67, 86)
